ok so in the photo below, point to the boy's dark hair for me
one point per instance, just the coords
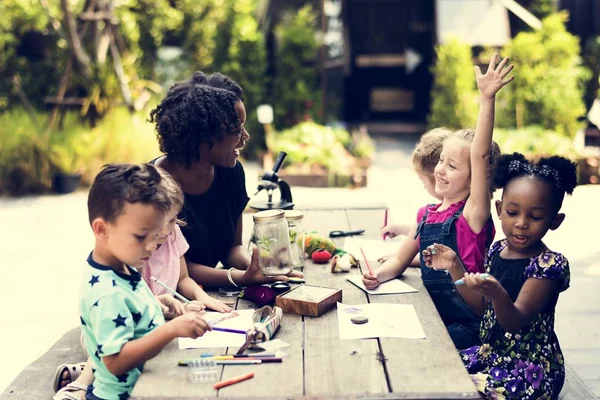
(117, 184)
(194, 112)
(558, 172)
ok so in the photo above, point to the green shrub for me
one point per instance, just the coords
(549, 80)
(312, 146)
(453, 95)
(295, 82)
(534, 142)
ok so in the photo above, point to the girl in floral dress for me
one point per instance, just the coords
(520, 357)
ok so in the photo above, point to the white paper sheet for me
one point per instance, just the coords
(394, 286)
(221, 339)
(373, 248)
(385, 320)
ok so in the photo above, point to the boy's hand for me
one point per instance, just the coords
(190, 325)
(394, 230)
(438, 256)
(494, 78)
(370, 281)
(170, 306)
(488, 286)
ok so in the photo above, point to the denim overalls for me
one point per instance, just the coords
(461, 322)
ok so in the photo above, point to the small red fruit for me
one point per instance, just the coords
(321, 256)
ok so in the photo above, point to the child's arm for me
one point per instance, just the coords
(190, 289)
(138, 351)
(477, 208)
(395, 265)
(512, 317)
(445, 258)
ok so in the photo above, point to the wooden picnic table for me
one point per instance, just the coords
(320, 364)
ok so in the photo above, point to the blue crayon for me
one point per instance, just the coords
(462, 282)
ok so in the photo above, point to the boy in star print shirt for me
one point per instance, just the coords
(122, 322)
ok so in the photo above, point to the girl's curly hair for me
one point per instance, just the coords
(195, 112)
(558, 172)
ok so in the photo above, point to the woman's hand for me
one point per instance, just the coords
(253, 276)
(487, 286)
(170, 306)
(439, 256)
(494, 78)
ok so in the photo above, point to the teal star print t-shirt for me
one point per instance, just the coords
(114, 309)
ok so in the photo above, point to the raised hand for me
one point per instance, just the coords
(495, 77)
(439, 256)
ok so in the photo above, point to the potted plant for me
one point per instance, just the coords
(68, 155)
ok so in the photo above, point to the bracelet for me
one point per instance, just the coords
(230, 277)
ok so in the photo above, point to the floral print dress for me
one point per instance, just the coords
(528, 364)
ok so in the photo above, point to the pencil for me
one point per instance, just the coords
(385, 221)
(366, 262)
(227, 316)
(229, 330)
(233, 380)
(241, 361)
(174, 293)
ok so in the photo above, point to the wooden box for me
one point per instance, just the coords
(309, 300)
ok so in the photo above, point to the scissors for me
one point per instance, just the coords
(336, 234)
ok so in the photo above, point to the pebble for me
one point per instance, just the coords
(359, 320)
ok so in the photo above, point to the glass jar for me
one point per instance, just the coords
(273, 241)
(296, 227)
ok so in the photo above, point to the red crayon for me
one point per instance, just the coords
(233, 380)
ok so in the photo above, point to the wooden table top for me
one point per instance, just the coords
(320, 364)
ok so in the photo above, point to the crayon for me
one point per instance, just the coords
(233, 380)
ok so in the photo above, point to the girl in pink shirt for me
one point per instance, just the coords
(463, 220)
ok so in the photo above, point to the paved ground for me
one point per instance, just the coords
(46, 239)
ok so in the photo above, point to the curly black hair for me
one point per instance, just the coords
(117, 184)
(195, 112)
(558, 172)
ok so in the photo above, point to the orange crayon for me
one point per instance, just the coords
(233, 380)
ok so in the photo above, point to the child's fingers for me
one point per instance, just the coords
(492, 65)
(508, 80)
(506, 71)
(477, 72)
(502, 64)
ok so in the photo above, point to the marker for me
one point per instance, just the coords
(293, 279)
(238, 362)
(229, 330)
(385, 221)
(462, 281)
(233, 380)
(258, 355)
(366, 262)
(174, 293)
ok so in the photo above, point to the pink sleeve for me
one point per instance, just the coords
(420, 213)
(472, 246)
(181, 244)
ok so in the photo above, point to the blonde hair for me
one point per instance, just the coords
(174, 192)
(426, 154)
(467, 135)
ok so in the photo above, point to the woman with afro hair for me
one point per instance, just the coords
(200, 129)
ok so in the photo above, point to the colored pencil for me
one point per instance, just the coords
(229, 330)
(385, 222)
(225, 317)
(462, 281)
(173, 292)
(233, 380)
(366, 262)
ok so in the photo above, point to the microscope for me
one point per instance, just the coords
(270, 182)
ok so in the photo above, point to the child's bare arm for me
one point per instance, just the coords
(192, 290)
(137, 352)
(477, 208)
(533, 298)
(397, 264)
